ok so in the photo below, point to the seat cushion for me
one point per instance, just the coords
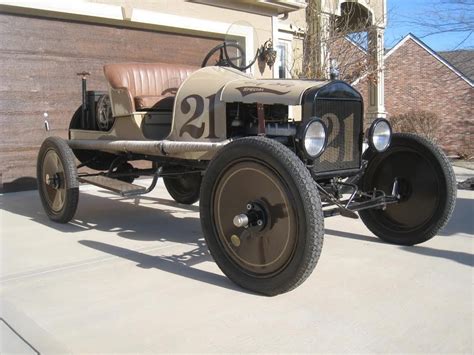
(149, 85)
(147, 79)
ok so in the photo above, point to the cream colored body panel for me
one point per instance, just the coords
(268, 91)
(199, 112)
(121, 101)
(124, 128)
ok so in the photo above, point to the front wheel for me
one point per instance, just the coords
(261, 215)
(427, 188)
(57, 180)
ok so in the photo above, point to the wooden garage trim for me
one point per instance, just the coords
(125, 16)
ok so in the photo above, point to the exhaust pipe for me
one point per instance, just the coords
(159, 148)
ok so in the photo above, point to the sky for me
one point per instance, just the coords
(403, 16)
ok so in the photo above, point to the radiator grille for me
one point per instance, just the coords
(343, 120)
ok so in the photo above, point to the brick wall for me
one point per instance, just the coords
(417, 80)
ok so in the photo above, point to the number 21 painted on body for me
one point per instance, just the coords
(194, 130)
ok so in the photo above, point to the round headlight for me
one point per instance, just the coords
(314, 138)
(380, 135)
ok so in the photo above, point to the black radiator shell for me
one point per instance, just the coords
(341, 107)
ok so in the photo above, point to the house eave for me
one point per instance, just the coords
(260, 7)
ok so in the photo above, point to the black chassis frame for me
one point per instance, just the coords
(331, 190)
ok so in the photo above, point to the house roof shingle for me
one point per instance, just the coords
(462, 59)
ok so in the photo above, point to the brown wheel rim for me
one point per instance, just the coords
(53, 181)
(259, 250)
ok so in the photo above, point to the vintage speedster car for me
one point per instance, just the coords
(265, 180)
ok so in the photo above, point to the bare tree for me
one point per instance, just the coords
(447, 16)
(421, 122)
(340, 42)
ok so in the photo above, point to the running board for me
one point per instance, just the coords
(122, 188)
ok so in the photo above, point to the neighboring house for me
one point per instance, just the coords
(418, 78)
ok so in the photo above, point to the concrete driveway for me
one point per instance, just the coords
(135, 276)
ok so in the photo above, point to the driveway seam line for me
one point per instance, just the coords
(19, 336)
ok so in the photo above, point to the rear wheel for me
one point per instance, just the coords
(261, 215)
(125, 168)
(427, 188)
(57, 180)
(183, 188)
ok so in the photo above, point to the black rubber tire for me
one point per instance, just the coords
(93, 159)
(304, 195)
(125, 168)
(431, 203)
(184, 188)
(69, 179)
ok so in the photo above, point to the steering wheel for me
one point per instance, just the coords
(224, 59)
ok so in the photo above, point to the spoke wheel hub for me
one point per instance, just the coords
(54, 187)
(54, 181)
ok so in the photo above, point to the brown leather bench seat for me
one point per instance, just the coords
(146, 86)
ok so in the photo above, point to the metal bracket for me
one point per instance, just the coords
(377, 199)
(343, 210)
(261, 120)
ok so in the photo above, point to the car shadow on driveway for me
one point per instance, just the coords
(181, 264)
(462, 219)
(157, 201)
(456, 256)
(144, 221)
(350, 235)
(153, 219)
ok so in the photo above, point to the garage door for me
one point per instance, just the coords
(39, 59)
